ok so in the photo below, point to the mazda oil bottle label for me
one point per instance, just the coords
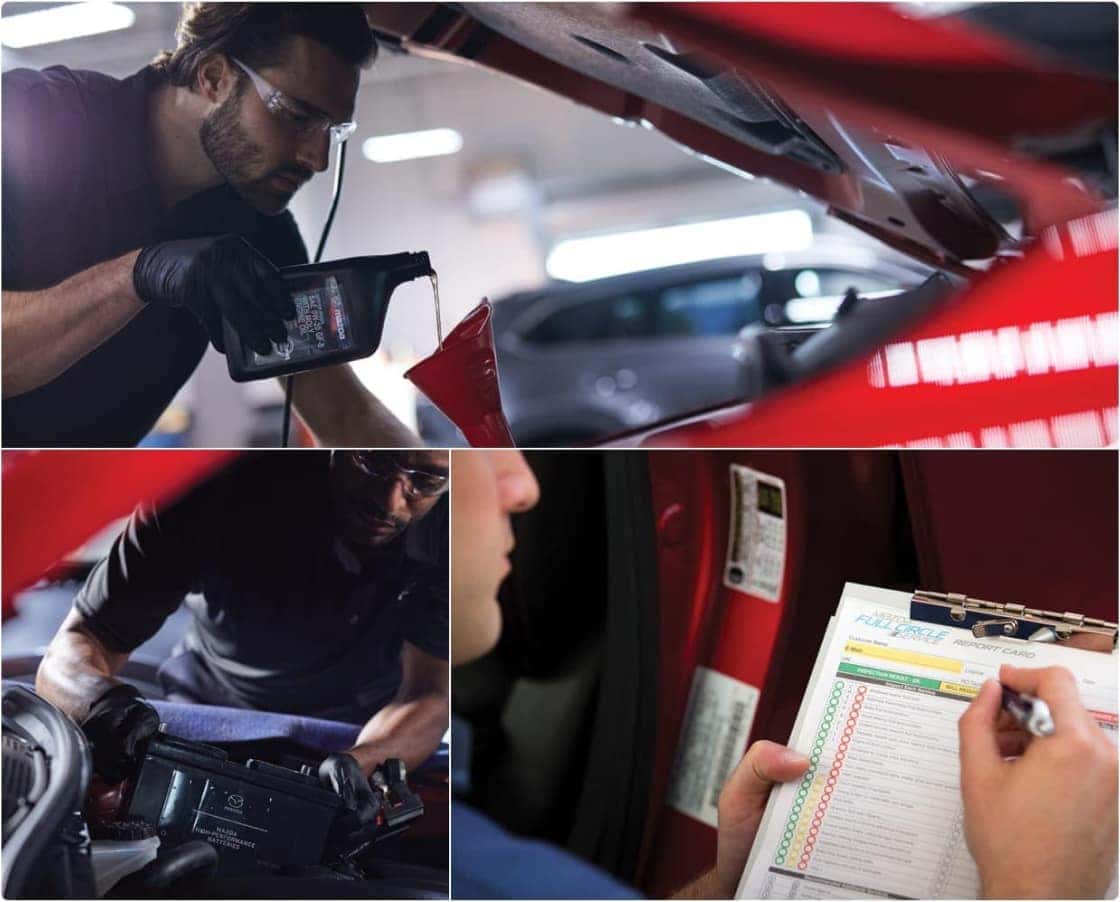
(321, 325)
(756, 546)
(717, 723)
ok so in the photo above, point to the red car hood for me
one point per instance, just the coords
(879, 116)
(56, 500)
(861, 107)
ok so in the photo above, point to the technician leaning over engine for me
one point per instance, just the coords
(139, 212)
(318, 586)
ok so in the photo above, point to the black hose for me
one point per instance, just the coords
(289, 382)
(195, 861)
(286, 428)
(339, 168)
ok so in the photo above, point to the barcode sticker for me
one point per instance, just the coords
(717, 724)
(756, 546)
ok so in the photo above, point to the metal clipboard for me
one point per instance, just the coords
(988, 619)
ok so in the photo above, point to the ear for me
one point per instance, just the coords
(215, 78)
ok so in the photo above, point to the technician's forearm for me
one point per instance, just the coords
(46, 332)
(407, 729)
(344, 414)
(77, 669)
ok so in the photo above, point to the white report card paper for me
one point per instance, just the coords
(878, 814)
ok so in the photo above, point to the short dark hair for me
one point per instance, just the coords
(258, 34)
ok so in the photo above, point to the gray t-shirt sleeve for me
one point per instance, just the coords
(149, 570)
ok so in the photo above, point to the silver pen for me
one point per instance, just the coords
(1032, 713)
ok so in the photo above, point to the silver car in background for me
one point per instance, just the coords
(581, 362)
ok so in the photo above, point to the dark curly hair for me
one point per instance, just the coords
(258, 34)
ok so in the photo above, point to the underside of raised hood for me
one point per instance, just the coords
(877, 115)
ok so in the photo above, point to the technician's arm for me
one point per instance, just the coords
(46, 332)
(344, 414)
(127, 596)
(411, 725)
(77, 668)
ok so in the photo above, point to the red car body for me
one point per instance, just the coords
(1035, 528)
(54, 501)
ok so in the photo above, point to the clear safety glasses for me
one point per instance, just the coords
(297, 115)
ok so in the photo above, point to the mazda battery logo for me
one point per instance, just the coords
(235, 801)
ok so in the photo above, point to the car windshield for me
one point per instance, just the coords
(709, 306)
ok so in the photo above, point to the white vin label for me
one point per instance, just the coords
(756, 546)
(714, 736)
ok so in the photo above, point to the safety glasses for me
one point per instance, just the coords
(297, 115)
(417, 483)
(422, 484)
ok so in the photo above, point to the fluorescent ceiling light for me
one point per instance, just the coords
(583, 259)
(435, 142)
(807, 283)
(61, 23)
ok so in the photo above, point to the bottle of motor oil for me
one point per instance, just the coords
(340, 313)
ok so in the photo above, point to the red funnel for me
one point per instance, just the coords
(461, 379)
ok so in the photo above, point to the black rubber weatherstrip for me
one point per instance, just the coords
(612, 810)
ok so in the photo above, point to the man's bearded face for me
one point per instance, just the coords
(265, 180)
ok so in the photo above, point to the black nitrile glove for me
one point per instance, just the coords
(216, 277)
(343, 774)
(353, 828)
(117, 725)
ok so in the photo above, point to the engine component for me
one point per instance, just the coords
(255, 814)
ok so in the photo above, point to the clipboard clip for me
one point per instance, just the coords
(989, 619)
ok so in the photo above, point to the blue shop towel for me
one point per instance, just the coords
(216, 725)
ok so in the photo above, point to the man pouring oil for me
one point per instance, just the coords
(146, 217)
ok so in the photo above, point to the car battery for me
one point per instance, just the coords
(340, 314)
(257, 815)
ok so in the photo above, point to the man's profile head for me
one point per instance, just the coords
(276, 77)
(375, 495)
(487, 487)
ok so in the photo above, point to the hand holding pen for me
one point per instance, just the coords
(1030, 713)
(1043, 824)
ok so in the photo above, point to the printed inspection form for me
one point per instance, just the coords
(878, 813)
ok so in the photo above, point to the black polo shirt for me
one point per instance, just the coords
(285, 617)
(77, 190)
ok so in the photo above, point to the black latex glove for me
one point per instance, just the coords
(117, 725)
(216, 277)
(343, 774)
